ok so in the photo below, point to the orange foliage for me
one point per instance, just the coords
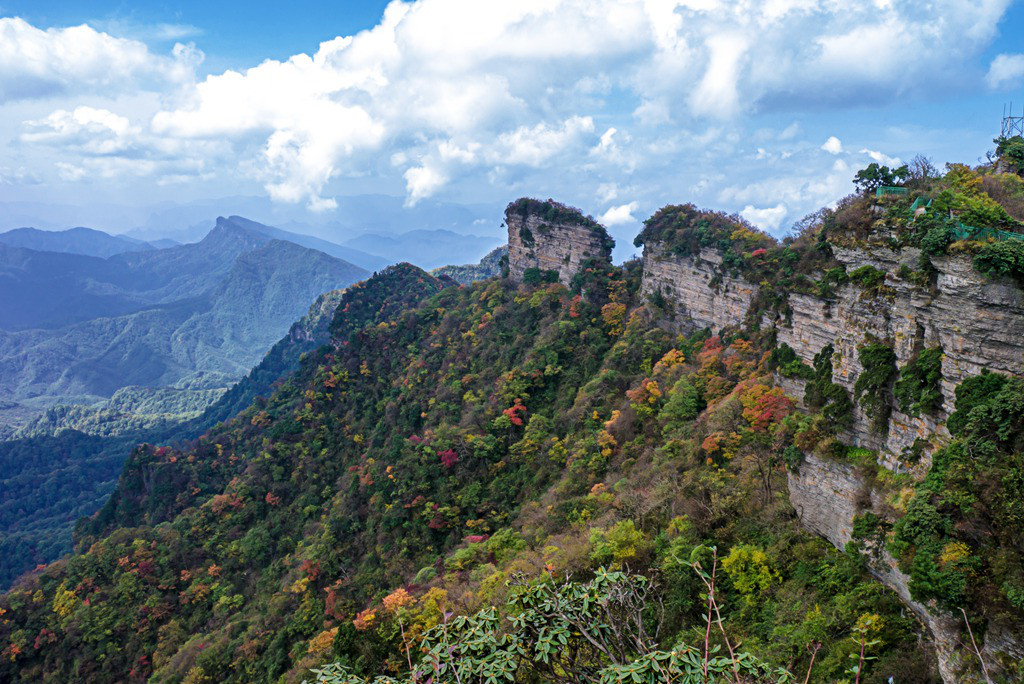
(516, 412)
(399, 598)
(364, 619)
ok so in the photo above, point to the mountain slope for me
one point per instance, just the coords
(365, 260)
(47, 481)
(79, 240)
(224, 330)
(395, 457)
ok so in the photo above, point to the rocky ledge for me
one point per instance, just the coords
(549, 239)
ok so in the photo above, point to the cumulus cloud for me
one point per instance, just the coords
(622, 214)
(35, 63)
(882, 158)
(833, 145)
(767, 218)
(810, 186)
(92, 131)
(423, 181)
(460, 89)
(1006, 71)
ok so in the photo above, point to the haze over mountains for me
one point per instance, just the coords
(189, 221)
(77, 328)
(78, 240)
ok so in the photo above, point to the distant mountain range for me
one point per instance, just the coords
(78, 241)
(189, 221)
(77, 328)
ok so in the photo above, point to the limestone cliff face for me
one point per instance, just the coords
(697, 294)
(552, 237)
(827, 496)
(978, 323)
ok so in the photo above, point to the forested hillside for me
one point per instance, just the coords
(593, 476)
(167, 332)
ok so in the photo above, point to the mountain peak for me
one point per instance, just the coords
(228, 229)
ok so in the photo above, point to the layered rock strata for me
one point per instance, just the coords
(549, 236)
(979, 323)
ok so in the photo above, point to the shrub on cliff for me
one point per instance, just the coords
(874, 384)
(684, 230)
(867, 276)
(1011, 152)
(826, 396)
(875, 176)
(918, 388)
(1002, 260)
(959, 539)
(785, 361)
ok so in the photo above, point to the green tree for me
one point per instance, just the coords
(874, 176)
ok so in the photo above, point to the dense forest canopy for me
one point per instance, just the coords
(451, 487)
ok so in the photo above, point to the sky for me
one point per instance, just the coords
(618, 107)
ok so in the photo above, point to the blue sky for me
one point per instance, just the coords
(618, 106)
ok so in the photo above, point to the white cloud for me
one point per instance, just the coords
(422, 182)
(833, 145)
(606, 192)
(35, 63)
(532, 146)
(622, 214)
(718, 92)
(882, 158)
(92, 131)
(768, 218)
(1006, 71)
(813, 182)
(446, 91)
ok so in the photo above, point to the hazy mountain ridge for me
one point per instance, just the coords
(79, 240)
(210, 307)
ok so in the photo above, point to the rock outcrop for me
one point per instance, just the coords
(488, 267)
(551, 237)
(827, 496)
(979, 323)
(696, 292)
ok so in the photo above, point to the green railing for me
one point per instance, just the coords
(890, 190)
(962, 231)
(920, 202)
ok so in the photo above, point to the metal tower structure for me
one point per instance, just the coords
(1012, 125)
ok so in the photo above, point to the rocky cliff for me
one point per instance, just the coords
(978, 323)
(551, 238)
(697, 271)
(698, 295)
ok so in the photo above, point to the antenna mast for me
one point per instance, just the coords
(1012, 125)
